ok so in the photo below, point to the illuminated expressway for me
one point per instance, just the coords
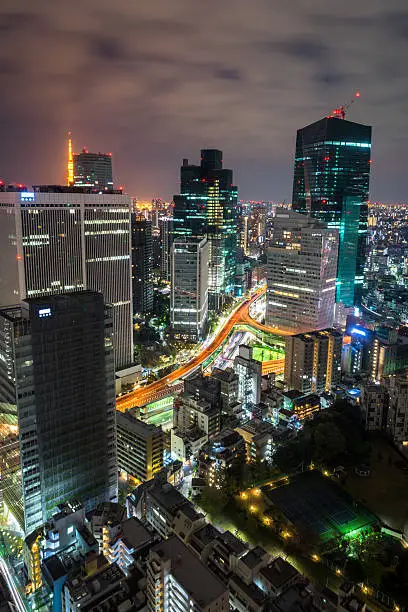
(168, 384)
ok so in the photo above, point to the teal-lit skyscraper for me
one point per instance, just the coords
(331, 182)
(208, 206)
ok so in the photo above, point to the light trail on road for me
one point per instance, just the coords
(162, 387)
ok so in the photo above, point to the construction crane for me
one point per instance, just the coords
(340, 112)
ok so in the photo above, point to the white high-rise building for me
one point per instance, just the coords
(189, 288)
(62, 239)
(249, 372)
(177, 581)
(301, 273)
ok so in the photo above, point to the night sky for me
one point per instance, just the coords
(154, 81)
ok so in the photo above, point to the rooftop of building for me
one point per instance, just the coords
(136, 426)
(256, 426)
(310, 398)
(234, 544)
(87, 587)
(252, 592)
(204, 536)
(74, 189)
(292, 394)
(199, 402)
(109, 512)
(133, 533)
(166, 495)
(193, 434)
(253, 557)
(190, 512)
(279, 572)
(66, 509)
(226, 437)
(201, 383)
(297, 598)
(192, 575)
(228, 375)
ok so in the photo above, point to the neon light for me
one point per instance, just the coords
(44, 312)
(27, 196)
(360, 332)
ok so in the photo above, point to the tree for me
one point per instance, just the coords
(354, 570)
(329, 443)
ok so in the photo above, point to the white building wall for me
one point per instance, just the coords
(62, 242)
(189, 288)
(301, 274)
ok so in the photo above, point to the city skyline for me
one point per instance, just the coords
(165, 95)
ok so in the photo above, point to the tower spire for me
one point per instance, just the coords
(70, 164)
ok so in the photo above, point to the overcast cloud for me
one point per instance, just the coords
(154, 81)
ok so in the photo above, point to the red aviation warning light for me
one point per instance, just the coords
(340, 112)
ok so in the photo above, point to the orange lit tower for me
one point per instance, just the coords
(70, 164)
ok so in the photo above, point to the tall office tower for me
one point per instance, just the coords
(178, 581)
(156, 247)
(313, 361)
(93, 170)
(208, 205)
(58, 359)
(301, 273)
(142, 264)
(61, 239)
(166, 228)
(249, 372)
(189, 288)
(331, 182)
(140, 447)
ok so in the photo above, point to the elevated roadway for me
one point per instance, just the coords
(170, 383)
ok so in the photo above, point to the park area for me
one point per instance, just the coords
(315, 504)
(385, 490)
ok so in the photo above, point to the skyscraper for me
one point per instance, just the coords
(208, 206)
(166, 228)
(301, 273)
(93, 170)
(60, 239)
(189, 288)
(142, 264)
(57, 358)
(331, 182)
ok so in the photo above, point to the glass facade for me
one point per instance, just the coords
(142, 264)
(60, 362)
(331, 182)
(208, 206)
(93, 170)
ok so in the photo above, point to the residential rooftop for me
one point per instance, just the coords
(192, 575)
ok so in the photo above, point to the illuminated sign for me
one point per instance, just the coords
(27, 196)
(360, 332)
(44, 312)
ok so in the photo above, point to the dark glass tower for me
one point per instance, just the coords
(93, 170)
(331, 182)
(59, 360)
(142, 264)
(208, 206)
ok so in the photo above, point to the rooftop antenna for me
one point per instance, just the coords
(340, 112)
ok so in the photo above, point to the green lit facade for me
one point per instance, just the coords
(331, 182)
(208, 206)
